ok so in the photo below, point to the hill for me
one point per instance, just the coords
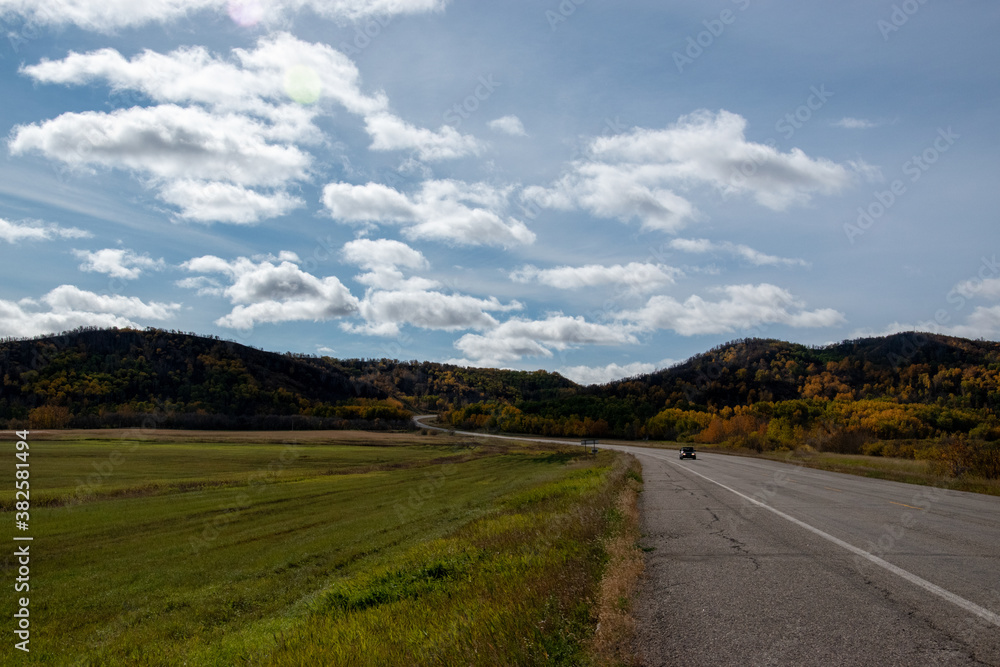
(891, 394)
(907, 367)
(895, 395)
(92, 378)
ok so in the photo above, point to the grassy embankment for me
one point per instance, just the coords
(372, 549)
(925, 471)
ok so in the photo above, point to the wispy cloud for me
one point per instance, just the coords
(755, 257)
(849, 123)
(112, 15)
(33, 230)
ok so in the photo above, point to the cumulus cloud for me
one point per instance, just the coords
(443, 210)
(508, 125)
(517, 338)
(68, 307)
(742, 307)
(747, 253)
(391, 133)
(373, 253)
(111, 15)
(635, 175)
(220, 129)
(385, 311)
(118, 262)
(165, 141)
(262, 80)
(208, 201)
(587, 375)
(615, 191)
(636, 276)
(383, 259)
(15, 232)
(174, 145)
(272, 290)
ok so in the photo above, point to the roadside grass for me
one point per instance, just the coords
(910, 471)
(422, 550)
(522, 585)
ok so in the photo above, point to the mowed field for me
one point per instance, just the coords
(305, 549)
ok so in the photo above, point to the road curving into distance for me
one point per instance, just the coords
(757, 562)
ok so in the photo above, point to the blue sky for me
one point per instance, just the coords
(594, 188)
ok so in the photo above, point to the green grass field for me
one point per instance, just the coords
(409, 550)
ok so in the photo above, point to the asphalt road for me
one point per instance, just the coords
(754, 562)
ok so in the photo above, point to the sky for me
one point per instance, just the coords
(596, 188)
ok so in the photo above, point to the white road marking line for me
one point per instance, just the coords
(970, 607)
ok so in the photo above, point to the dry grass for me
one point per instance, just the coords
(909, 471)
(612, 641)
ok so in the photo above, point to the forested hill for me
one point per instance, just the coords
(904, 389)
(123, 377)
(906, 367)
(916, 395)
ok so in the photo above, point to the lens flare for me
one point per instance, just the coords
(303, 84)
(246, 13)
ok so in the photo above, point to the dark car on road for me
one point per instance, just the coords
(688, 453)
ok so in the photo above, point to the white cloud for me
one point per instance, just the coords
(70, 307)
(110, 15)
(587, 375)
(382, 258)
(273, 290)
(755, 257)
(517, 338)
(220, 129)
(615, 191)
(447, 210)
(391, 133)
(982, 322)
(212, 201)
(743, 307)
(849, 123)
(118, 262)
(639, 277)
(168, 142)
(15, 232)
(264, 81)
(203, 285)
(393, 301)
(634, 175)
(386, 311)
(372, 254)
(988, 288)
(508, 125)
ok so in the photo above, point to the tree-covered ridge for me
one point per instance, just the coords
(892, 394)
(124, 377)
(759, 393)
(109, 377)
